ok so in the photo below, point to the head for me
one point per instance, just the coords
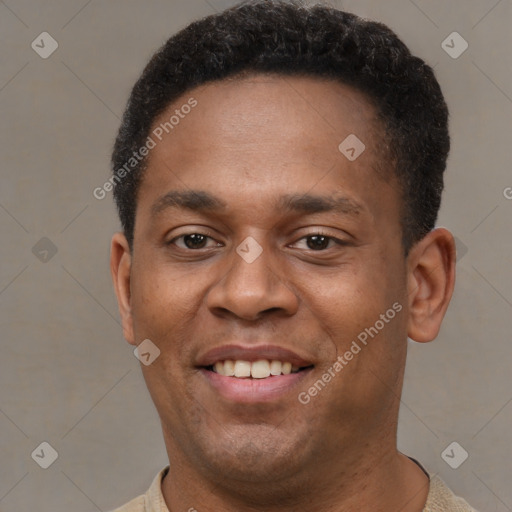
(284, 207)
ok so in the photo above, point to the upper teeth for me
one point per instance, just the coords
(258, 369)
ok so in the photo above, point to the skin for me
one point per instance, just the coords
(249, 141)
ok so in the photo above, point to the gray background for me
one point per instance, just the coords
(67, 376)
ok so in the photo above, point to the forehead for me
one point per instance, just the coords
(267, 133)
(260, 112)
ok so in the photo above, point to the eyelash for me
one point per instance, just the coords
(209, 235)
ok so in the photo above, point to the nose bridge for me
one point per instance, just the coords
(253, 283)
(252, 269)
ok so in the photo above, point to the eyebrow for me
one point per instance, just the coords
(201, 201)
(309, 204)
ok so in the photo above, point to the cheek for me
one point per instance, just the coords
(352, 297)
(347, 308)
(162, 298)
(161, 304)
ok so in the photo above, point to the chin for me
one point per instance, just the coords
(253, 458)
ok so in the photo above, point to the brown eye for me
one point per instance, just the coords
(194, 241)
(318, 242)
(191, 241)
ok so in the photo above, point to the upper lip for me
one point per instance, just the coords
(252, 353)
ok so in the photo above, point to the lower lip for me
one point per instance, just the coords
(248, 390)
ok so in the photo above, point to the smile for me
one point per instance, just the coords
(260, 369)
(254, 373)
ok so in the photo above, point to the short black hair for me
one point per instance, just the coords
(288, 38)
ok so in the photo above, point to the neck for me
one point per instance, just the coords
(383, 480)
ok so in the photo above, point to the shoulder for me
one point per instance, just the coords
(442, 499)
(151, 501)
(135, 505)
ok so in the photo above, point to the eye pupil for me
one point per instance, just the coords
(196, 240)
(318, 242)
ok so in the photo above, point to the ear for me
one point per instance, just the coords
(120, 266)
(430, 282)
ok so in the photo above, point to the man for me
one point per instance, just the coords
(278, 174)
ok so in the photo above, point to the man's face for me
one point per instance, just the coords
(261, 146)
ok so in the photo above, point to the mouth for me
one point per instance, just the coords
(259, 369)
(254, 374)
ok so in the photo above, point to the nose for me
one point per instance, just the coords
(249, 290)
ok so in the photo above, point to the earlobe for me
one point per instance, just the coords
(431, 279)
(120, 266)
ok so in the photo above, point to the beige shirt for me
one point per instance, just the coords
(439, 499)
